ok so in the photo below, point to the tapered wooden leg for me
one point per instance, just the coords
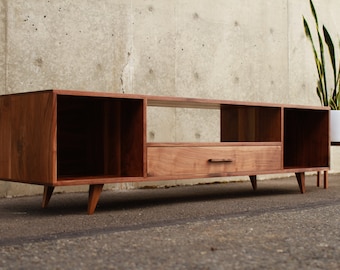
(48, 190)
(300, 176)
(325, 179)
(253, 181)
(94, 194)
(318, 179)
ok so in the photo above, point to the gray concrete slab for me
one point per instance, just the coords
(216, 226)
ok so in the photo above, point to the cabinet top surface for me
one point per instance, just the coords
(171, 101)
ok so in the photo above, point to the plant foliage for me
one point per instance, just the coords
(328, 97)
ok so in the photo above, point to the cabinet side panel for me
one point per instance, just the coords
(5, 138)
(32, 137)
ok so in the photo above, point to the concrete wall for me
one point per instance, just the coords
(251, 50)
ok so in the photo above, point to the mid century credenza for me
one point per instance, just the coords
(63, 138)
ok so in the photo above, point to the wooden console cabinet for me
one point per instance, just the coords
(63, 138)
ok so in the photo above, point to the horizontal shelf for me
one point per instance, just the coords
(183, 102)
(112, 180)
(305, 169)
(99, 179)
(211, 144)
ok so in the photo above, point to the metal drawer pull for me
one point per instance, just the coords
(214, 160)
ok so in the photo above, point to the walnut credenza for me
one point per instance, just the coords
(63, 138)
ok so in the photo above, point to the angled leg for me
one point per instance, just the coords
(94, 194)
(300, 177)
(325, 179)
(253, 181)
(48, 190)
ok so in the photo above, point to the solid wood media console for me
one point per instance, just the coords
(63, 138)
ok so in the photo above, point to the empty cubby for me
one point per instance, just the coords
(99, 137)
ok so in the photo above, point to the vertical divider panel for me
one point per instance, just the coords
(144, 146)
(5, 137)
(282, 123)
(54, 142)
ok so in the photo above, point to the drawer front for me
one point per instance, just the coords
(212, 161)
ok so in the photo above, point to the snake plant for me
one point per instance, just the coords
(328, 96)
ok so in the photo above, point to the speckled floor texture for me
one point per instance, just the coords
(215, 226)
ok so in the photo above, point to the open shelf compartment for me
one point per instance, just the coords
(306, 140)
(99, 137)
(241, 123)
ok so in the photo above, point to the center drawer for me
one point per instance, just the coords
(212, 160)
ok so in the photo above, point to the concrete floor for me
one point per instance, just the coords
(216, 226)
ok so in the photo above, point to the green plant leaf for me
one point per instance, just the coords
(307, 30)
(314, 13)
(321, 94)
(318, 62)
(322, 65)
(330, 45)
(337, 99)
(332, 100)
